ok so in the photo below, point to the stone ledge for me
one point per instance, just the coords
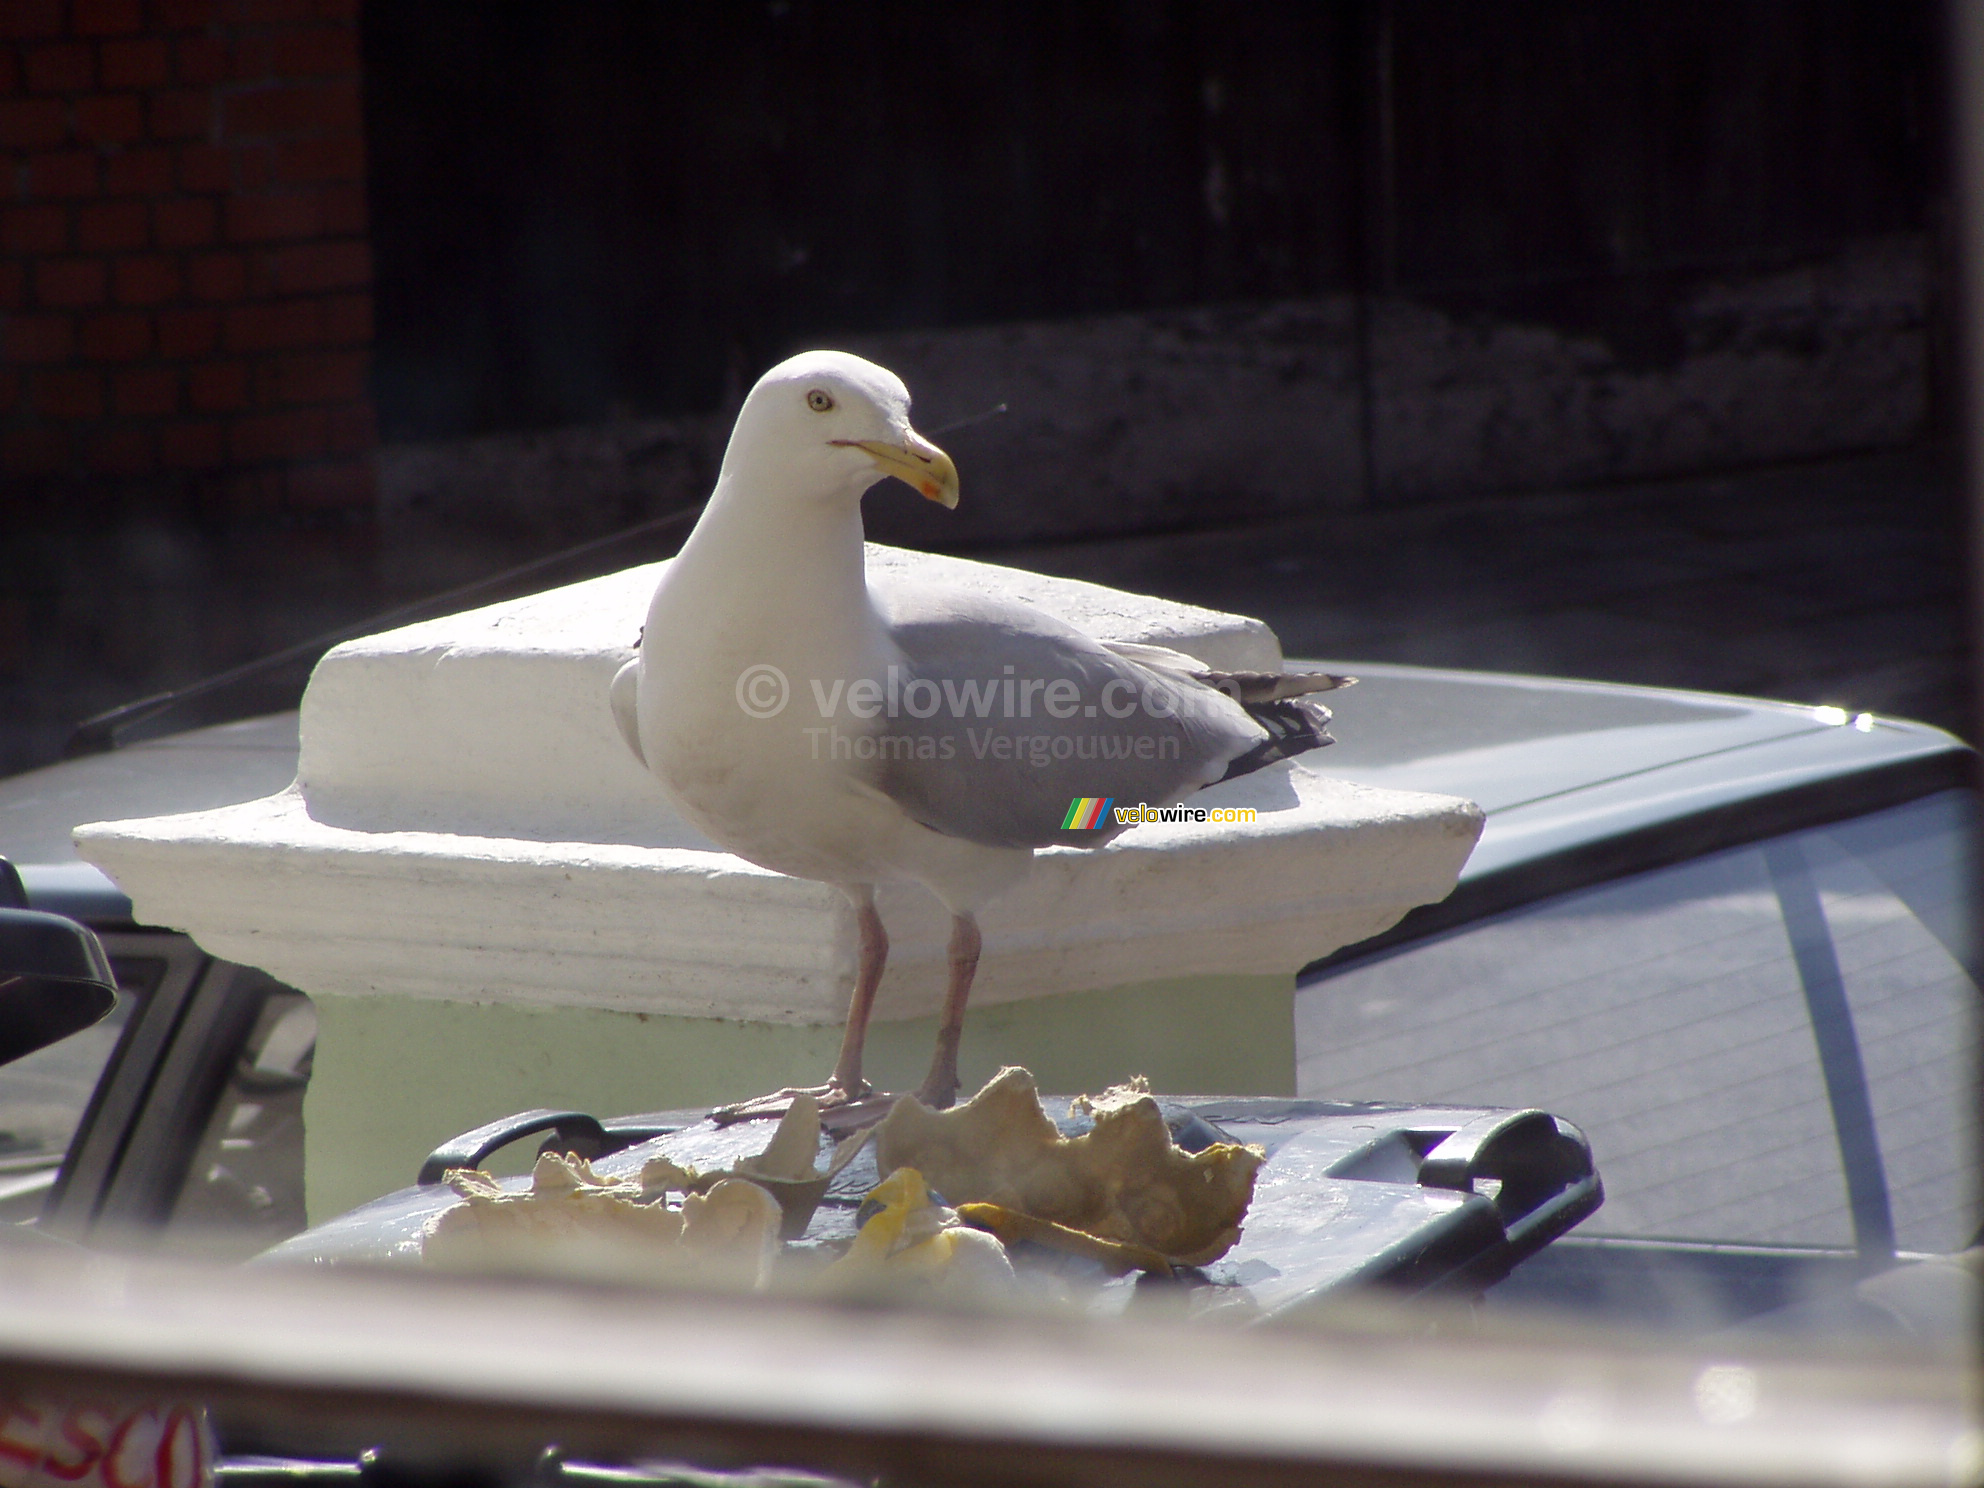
(698, 933)
(467, 825)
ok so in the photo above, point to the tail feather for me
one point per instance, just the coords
(1295, 726)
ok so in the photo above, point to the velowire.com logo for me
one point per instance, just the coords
(1091, 813)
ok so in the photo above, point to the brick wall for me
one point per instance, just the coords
(185, 278)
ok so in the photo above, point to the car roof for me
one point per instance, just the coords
(193, 771)
(1559, 765)
(1556, 764)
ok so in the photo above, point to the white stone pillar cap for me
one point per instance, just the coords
(467, 824)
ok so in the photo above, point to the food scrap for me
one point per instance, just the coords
(1125, 1180)
(908, 1239)
(572, 1223)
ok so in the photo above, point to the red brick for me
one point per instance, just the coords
(279, 436)
(217, 276)
(276, 327)
(307, 161)
(20, 19)
(258, 219)
(314, 377)
(181, 113)
(347, 320)
(39, 229)
(333, 483)
(62, 67)
(107, 226)
(184, 222)
(13, 284)
(263, 12)
(202, 59)
(254, 166)
(145, 392)
(65, 173)
(187, 446)
(218, 387)
(183, 15)
(35, 449)
(118, 451)
(69, 393)
(242, 492)
(206, 168)
(317, 51)
(137, 173)
(68, 282)
(184, 333)
(30, 123)
(254, 56)
(344, 211)
(138, 62)
(151, 280)
(352, 429)
(109, 118)
(296, 108)
(106, 17)
(117, 336)
(27, 339)
(313, 267)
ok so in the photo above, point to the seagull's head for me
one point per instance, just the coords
(833, 423)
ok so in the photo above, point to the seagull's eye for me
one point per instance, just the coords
(819, 400)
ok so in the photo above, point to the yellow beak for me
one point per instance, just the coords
(915, 461)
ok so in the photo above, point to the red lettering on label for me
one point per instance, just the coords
(14, 1450)
(75, 1431)
(182, 1423)
(113, 1477)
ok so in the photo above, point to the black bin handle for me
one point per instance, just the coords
(581, 1133)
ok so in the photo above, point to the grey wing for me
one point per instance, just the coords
(1003, 716)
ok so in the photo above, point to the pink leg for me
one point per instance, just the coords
(940, 1086)
(846, 1089)
(867, 977)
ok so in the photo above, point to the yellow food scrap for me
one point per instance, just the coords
(573, 1223)
(1126, 1180)
(913, 1240)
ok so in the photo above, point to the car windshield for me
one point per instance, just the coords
(43, 1096)
(1766, 1045)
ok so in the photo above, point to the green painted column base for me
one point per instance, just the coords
(395, 1077)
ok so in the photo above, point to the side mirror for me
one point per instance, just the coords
(54, 981)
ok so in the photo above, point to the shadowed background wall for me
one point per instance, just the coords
(1224, 264)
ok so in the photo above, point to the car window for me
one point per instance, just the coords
(1768, 1044)
(244, 1186)
(44, 1094)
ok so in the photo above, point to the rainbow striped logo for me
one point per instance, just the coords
(1087, 812)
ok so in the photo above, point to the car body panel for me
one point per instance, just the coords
(195, 771)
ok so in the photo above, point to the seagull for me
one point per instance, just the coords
(854, 729)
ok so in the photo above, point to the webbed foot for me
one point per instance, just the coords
(841, 1110)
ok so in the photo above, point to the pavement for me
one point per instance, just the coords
(1840, 582)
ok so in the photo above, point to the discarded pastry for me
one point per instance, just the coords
(785, 1169)
(909, 1240)
(573, 1223)
(1125, 1180)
